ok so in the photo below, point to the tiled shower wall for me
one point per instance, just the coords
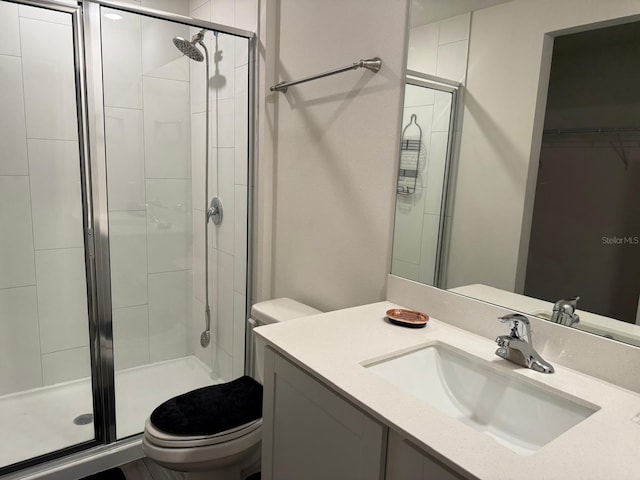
(43, 307)
(156, 112)
(228, 92)
(146, 95)
(418, 215)
(438, 49)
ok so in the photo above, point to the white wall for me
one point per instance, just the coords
(333, 149)
(506, 87)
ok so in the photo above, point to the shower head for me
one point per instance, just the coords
(189, 48)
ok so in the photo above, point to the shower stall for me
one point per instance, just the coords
(117, 288)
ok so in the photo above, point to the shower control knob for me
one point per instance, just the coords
(215, 211)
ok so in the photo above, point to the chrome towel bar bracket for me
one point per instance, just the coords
(372, 64)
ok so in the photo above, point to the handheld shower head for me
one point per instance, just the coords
(188, 47)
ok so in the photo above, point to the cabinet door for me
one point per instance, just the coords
(312, 433)
(406, 462)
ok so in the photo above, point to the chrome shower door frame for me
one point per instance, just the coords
(77, 27)
(103, 351)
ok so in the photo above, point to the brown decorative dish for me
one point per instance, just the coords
(407, 318)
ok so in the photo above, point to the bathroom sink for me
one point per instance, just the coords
(518, 413)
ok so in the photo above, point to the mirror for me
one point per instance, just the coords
(541, 203)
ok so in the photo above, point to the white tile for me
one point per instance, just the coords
(435, 173)
(247, 15)
(166, 128)
(20, 367)
(241, 134)
(452, 61)
(16, 240)
(224, 232)
(224, 277)
(181, 7)
(405, 269)
(62, 299)
(415, 96)
(222, 123)
(169, 306)
(223, 11)
(160, 57)
(441, 112)
(125, 159)
(122, 60)
(430, 231)
(66, 365)
(242, 51)
(196, 327)
(196, 4)
(223, 62)
(198, 255)
(130, 336)
(201, 10)
(223, 364)
(197, 85)
(239, 328)
(128, 249)
(13, 144)
(56, 195)
(213, 266)
(408, 228)
(45, 15)
(168, 225)
(198, 161)
(423, 49)
(455, 29)
(9, 29)
(240, 241)
(49, 79)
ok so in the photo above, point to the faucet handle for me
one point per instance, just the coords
(567, 305)
(519, 325)
(564, 311)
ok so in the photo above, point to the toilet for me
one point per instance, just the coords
(215, 432)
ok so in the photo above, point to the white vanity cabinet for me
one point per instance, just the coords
(311, 433)
(405, 461)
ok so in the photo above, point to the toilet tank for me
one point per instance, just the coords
(265, 313)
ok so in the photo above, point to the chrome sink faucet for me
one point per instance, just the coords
(517, 347)
(564, 312)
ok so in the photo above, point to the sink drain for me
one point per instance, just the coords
(84, 419)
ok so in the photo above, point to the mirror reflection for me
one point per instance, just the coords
(538, 203)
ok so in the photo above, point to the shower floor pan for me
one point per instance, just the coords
(40, 421)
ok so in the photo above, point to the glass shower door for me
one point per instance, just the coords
(45, 369)
(167, 261)
(425, 157)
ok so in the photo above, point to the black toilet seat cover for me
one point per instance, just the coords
(210, 410)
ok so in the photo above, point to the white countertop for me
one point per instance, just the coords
(332, 346)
